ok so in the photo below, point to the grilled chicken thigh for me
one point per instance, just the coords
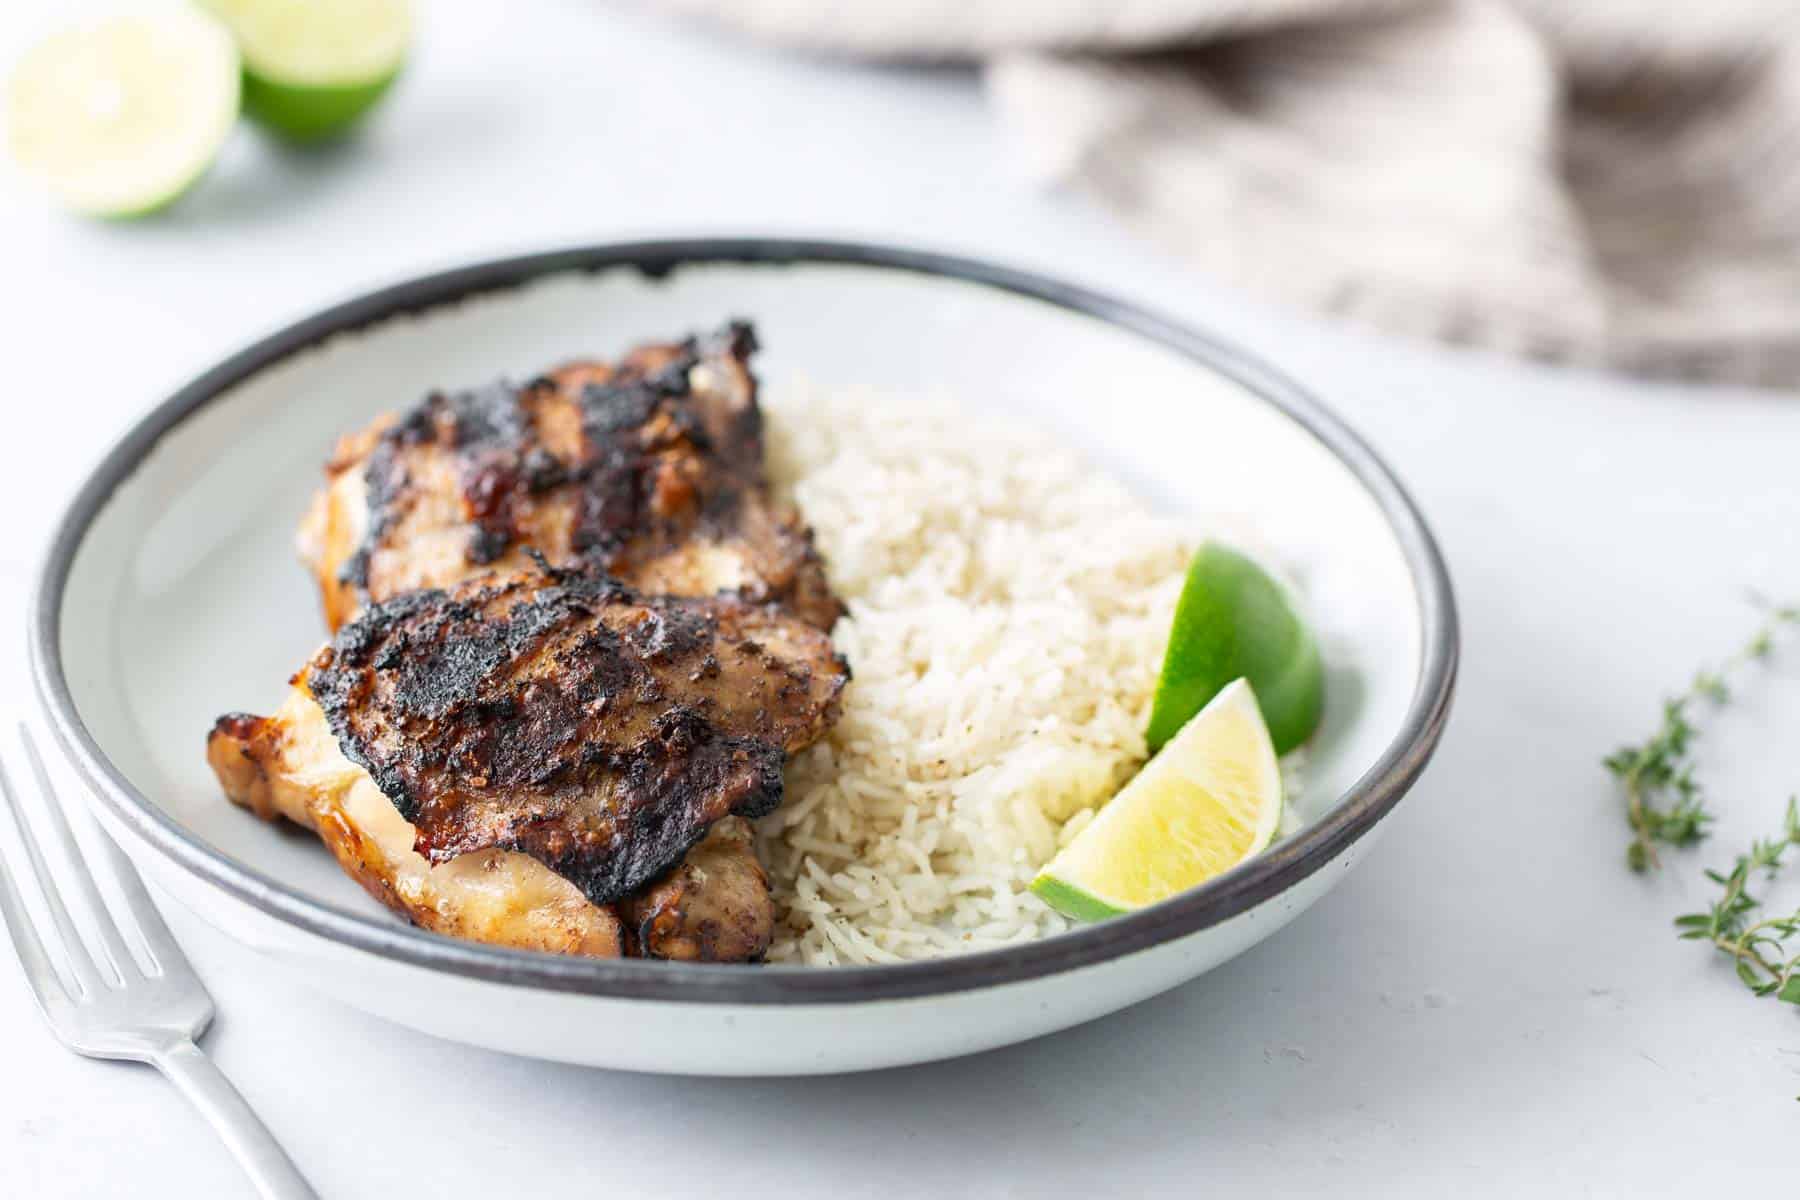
(650, 467)
(565, 716)
(559, 743)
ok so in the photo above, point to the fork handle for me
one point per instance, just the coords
(225, 1109)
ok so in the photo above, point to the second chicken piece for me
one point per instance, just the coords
(650, 467)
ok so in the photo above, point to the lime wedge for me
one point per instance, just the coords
(1209, 801)
(120, 116)
(1233, 621)
(313, 67)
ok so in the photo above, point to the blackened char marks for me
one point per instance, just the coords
(670, 793)
(485, 418)
(650, 464)
(560, 714)
(650, 467)
(481, 426)
(629, 399)
(386, 479)
(738, 339)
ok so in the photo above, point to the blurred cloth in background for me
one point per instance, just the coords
(1614, 182)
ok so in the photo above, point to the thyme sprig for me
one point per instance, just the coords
(1664, 802)
(1765, 950)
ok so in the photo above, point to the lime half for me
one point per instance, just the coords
(1210, 800)
(312, 67)
(120, 116)
(1233, 621)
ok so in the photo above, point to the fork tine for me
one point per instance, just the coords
(104, 920)
(165, 952)
(39, 971)
(75, 953)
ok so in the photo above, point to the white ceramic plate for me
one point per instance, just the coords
(171, 594)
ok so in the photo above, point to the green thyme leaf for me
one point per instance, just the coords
(1762, 948)
(1664, 801)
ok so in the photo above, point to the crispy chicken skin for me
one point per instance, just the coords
(565, 716)
(289, 765)
(506, 759)
(650, 467)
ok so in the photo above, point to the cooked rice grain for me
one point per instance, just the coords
(1008, 609)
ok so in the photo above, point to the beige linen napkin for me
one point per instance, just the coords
(1606, 181)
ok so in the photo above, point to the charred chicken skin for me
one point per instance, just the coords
(289, 766)
(558, 742)
(649, 470)
(650, 467)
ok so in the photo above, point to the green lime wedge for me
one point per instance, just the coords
(1234, 621)
(1210, 800)
(312, 68)
(120, 116)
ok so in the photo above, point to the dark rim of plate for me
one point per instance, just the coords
(1239, 890)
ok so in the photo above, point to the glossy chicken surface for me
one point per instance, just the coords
(289, 766)
(650, 467)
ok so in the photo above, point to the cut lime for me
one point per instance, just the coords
(1210, 800)
(1232, 622)
(312, 67)
(120, 116)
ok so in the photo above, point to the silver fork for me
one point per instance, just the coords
(110, 1005)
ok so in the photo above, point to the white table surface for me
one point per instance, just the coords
(1491, 1004)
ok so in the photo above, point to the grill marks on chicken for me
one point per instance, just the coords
(289, 766)
(650, 468)
(566, 717)
(519, 753)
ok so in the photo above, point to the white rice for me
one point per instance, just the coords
(1008, 610)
